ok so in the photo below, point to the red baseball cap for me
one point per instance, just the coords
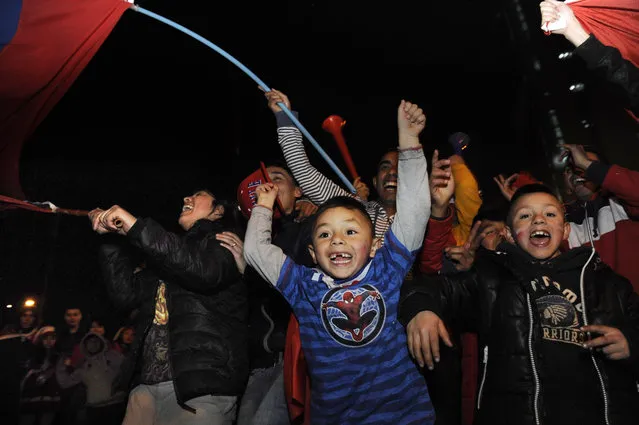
(246, 197)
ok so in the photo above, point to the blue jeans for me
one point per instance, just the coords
(264, 402)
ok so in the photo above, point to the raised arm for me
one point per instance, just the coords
(201, 266)
(605, 61)
(267, 259)
(315, 185)
(439, 232)
(619, 181)
(413, 194)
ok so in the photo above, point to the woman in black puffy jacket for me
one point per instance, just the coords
(191, 303)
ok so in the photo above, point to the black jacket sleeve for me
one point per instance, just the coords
(451, 297)
(607, 62)
(199, 265)
(629, 300)
(117, 272)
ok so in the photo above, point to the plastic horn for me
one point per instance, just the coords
(333, 124)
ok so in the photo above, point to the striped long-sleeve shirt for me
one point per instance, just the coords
(315, 185)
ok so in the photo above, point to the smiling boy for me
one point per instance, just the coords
(347, 306)
(561, 328)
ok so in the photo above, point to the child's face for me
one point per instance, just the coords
(97, 328)
(538, 225)
(127, 336)
(342, 242)
(48, 341)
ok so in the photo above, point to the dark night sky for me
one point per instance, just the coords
(157, 114)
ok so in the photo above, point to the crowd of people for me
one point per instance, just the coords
(304, 303)
(63, 374)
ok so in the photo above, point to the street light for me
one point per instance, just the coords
(9, 305)
(29, 302)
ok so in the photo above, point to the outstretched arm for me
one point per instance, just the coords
(267, 259)
(413, 193)
(618, 180)
(439, 231)
(603, 60)
(200, 267)
(315, 185)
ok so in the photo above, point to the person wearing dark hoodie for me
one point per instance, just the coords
(188, 363)
(39, 390)
(562, 329)
(69, 335)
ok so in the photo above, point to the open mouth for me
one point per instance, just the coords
(578, 180)
(340, 258)
(391, 186)
(187, 207)
(540, 238)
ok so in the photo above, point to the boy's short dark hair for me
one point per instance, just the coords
(527, 190)
(341, 202)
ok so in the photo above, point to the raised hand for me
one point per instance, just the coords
(505, 185)
(305, 209)
(114, 220)
(442, 185)
(552, 11)
(579, 156)
(266, 194)
(274, 97)
(462, 257)
(411, 120)
(361, 188)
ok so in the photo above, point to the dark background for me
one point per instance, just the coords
(157, 114)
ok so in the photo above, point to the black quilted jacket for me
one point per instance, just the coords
(206, 300)
(492, 301)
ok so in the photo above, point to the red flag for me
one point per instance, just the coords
(614, 23)
(53, 43)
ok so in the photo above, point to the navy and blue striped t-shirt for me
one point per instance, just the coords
(361, 371)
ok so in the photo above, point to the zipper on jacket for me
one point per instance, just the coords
(582, 291)
(168, 340)
(532, 359)
(604, 393)
(483, 378)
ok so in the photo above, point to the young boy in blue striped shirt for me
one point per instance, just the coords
(361, 371)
